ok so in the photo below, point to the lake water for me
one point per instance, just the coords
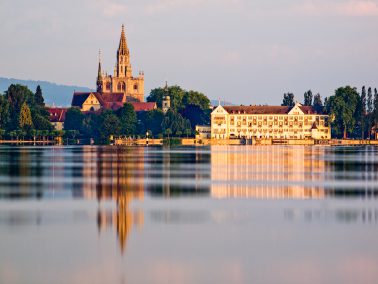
(238, 214)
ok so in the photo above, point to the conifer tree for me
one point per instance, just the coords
(363, 111)
(25, 120)
(369, 101)
(288, 99)
(370, 116)
(318, 104)
(307, 98)
(375, 107)
(38, 97)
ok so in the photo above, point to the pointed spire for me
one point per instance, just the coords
(122, 43)
(99, 74)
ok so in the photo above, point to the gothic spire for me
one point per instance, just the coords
(122, 49)
(99, 74)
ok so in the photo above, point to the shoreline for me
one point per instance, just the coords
(206, 142)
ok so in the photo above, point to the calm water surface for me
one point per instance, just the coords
(241, 214)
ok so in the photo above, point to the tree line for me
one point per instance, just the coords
(353, 114)
(23, 114)
(188, 108)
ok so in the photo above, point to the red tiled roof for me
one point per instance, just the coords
(143, 106)
(57, 114)
(104, 98)
(265, 109)
(112, 97)
(112, 101)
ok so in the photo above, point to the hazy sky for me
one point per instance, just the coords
(245, 51)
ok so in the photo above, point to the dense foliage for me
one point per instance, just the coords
(188, 108)
(288, 99)
(23, 113)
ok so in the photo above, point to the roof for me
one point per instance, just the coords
(112, 97)
(112, 101)
(143, 106)
(79, 98)
(105, 99)
(265, 109)
(57, 114)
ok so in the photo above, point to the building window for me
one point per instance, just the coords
(121, 86)
(136, 87)
(108, 86)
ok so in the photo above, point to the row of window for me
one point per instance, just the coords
(271, 130)
(120, 87)
(286, 117)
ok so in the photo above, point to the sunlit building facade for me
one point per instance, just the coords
(269, 122)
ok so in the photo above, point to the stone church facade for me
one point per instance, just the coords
(122, 80)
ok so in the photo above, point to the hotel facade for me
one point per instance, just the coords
(269, 122)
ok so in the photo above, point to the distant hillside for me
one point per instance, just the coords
(223, 103)
(60, 95)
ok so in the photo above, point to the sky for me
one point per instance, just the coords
(243, 51)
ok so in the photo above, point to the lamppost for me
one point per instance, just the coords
(147, 137)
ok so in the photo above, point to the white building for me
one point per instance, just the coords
(269, 122)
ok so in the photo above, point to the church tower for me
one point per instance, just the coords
(122, 80)
(123, 57)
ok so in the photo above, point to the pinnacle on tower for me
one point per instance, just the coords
(99, 74)
(122, 49)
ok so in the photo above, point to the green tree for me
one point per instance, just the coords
(375, 107)
(153, 121)
(90, 126)
(175, 122)
(343, 109)
(128, 119)
(109, 125)
(39, 100)
(288, 99)
(369, 101)
(40, 122)
(370, 110)
(196, 115)
(317, 103)
(168, 132)
(176, 94)
(4, 112)
(188, 132)
(363, 112)
(196, 99)
(25, 120)
(74, 119)
(17, 95)
(307, 98)
(2, 132)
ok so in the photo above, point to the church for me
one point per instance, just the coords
(122, 80)
(114, 90)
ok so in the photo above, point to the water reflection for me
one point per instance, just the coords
(189, 215)
(293, 172)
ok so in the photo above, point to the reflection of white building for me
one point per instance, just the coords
(266, 172)
(269, 122)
